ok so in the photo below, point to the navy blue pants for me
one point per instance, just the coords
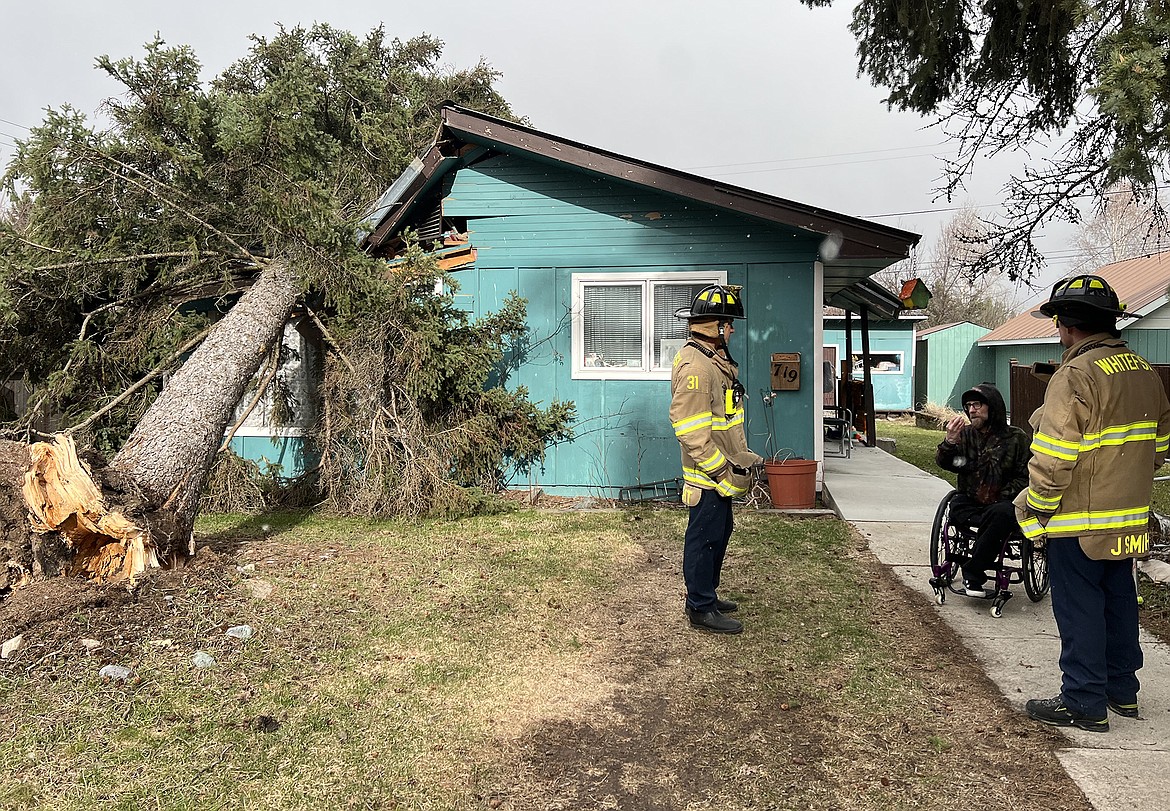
(704, 546)
(1095, 605)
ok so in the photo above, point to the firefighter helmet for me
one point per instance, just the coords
(716, 302)
(1084, 296)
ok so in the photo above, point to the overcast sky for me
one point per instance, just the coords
(758, 93)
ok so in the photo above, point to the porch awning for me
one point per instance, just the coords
(869, 295)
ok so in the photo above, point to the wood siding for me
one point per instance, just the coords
(1151, 343)
(534, 226)
(1026, 355)
(953, 363)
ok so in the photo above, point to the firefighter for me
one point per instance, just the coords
(706, 412)
(1103, 430)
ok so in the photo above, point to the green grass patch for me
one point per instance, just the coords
(916, 445)
(401, 664)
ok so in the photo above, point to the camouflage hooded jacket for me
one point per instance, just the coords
(992, 464)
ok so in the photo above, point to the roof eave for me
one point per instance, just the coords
(860, 239)
(868, 295)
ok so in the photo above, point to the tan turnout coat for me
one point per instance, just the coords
(708, 420)
(1103, 430)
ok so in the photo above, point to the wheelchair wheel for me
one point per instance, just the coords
(943, 538)
(1035, 563)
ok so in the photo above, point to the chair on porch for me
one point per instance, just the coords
(838, 427)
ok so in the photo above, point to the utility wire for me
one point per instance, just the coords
(826, 165)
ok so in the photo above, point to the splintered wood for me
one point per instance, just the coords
(62, 497)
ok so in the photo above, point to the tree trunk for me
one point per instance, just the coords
(171, 450)
(148, 496)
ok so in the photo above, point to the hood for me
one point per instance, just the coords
(996, 410)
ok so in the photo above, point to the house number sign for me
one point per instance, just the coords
(785, 371)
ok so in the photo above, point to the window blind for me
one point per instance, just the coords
(612, 324)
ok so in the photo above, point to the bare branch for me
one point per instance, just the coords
(261, 387)
(155, 372)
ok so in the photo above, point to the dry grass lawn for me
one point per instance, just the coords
(533, 660)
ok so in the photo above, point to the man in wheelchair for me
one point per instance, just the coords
(991, 460)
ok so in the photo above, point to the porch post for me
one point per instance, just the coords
(867, 383)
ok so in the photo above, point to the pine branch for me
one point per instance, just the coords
(155, 372)
(120, 259)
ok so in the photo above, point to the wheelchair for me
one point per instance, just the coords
(1020, 561)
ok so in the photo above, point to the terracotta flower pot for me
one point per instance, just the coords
(792, 483)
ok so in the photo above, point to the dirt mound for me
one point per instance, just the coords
(15, 546)
(55, 614)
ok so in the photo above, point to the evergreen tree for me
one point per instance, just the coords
(247, 193)
(1089, 78)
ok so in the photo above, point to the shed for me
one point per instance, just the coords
(605, 248)
(1141, 284)
(948, 361)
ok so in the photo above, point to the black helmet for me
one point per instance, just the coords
(1088, 297)
(715, 301)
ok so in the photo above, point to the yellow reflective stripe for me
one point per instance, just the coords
(1120, 434)
(1087, 521)
(725, 423)
(701, 479)
(692, 423)
(728, 489)
(1059, 443)
(697, 477)
(1162, 444)
(1094, 520)
(1039, 502)
(1031, 528)
(714, 461)
(1050, 446)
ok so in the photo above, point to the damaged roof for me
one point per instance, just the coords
(852, 249)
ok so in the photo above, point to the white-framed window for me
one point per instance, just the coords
(880, 363)
(295, 373)
(624, 325)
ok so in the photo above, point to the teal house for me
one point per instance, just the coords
(1141, 284)
(605, 248)
(891, 358)
(948, 361)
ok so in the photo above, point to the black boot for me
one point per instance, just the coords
(714, 621)
(726, 606)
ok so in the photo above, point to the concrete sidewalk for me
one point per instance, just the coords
(892, 503)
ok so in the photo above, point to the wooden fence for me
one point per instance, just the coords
(1028, 392)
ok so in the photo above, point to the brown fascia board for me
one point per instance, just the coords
(861, 238)
(431, 161)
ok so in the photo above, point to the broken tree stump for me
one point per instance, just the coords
(101, 542)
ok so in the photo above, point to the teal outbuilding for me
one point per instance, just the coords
(605, 248)
(948, 361)
(891, 356)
